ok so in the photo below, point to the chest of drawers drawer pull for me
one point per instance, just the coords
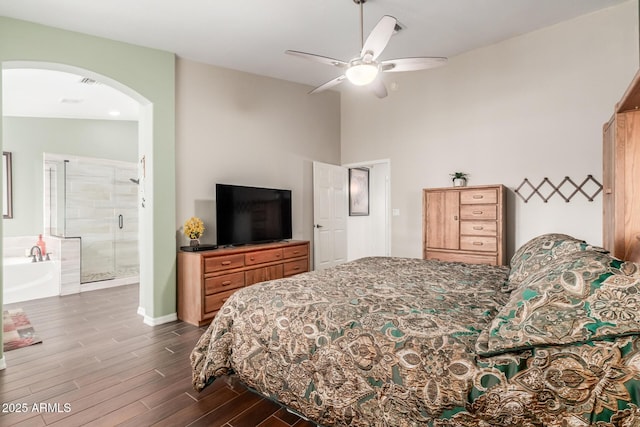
(478, 227)
(223, 283)
(220, 263)
(295, 267)
(264, 256)
(478, 243)
(295, 251)
(478, 196)
(478, 212)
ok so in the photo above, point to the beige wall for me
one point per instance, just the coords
(240, 128)
(532, 106)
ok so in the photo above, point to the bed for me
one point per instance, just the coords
(551, 341)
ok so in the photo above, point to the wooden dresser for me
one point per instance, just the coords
(621, 177)
(465, 224)
(206, 279)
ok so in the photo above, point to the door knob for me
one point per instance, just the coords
(317, 226)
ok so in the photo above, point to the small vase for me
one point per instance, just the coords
(194, 242)
(459, 182)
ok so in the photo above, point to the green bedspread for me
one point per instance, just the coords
(392, 342)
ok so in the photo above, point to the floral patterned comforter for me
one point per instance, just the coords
(392, 342)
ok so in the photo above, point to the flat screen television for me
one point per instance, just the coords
(246, 215)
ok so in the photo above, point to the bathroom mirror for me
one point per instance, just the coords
(7, 206)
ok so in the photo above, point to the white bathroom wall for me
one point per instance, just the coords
(369, 235)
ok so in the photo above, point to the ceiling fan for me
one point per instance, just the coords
(365, 69)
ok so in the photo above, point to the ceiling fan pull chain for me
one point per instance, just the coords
(361, 24)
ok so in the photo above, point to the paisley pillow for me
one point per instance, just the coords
(583, 296)
(534, 255)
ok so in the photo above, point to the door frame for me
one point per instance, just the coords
(387, 198)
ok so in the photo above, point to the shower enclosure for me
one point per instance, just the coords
(94, 200)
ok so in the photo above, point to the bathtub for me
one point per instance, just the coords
(24, 280)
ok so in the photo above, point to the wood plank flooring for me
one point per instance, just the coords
(100, 365)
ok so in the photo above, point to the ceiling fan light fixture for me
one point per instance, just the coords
(361, 73)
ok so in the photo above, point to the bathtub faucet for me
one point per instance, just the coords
(39, 258)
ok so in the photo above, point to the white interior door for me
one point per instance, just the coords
(330, 210)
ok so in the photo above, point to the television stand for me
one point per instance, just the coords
(206, 279)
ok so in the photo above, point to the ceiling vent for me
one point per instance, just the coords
(71, 100)
(87, 81)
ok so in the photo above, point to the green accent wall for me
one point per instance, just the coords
(147, 75)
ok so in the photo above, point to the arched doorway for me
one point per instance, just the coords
(144, 132)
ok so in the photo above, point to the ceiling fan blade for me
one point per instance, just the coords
(378, 88)
(329, 84)
(317, 58)
(379, 37)
(411, 64)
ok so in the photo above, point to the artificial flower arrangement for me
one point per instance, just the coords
(193, 228)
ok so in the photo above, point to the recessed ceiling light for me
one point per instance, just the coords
(114, 113)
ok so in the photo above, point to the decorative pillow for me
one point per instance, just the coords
(534, 255)
(583, 296)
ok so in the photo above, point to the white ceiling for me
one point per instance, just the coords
(252, 35)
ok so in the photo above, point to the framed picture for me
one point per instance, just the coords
(7, 205)
(358, 191)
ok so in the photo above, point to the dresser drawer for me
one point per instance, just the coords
(478, 212)
(263, 256)
(479, 228)
(296, 251)
(227, 282)
(295, 267)
(478, 243)
(462, 257)
(479, 196)
(215, 301)
(220, 263)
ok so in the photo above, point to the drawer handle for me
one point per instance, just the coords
(478, 227)
(296, 268)
(477, 243)
(225, 299)
(455, 217)
(478, 196)
(252, 258)
(277, 255)
(477, 212)
(296, 252)
(226, 262)
(226, 283)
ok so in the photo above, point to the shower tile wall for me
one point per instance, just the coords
(101, 209)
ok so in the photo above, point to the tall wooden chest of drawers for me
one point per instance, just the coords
(465, 224)
(206, 279)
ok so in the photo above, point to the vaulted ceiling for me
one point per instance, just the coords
(252, 35)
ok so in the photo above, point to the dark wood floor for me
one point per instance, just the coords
(100, 365)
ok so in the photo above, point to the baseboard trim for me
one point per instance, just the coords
(155, 321)
(3, 363)
(141, 311)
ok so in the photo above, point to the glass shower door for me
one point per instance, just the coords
(95, 200)
(126, 210)
(90, 204)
